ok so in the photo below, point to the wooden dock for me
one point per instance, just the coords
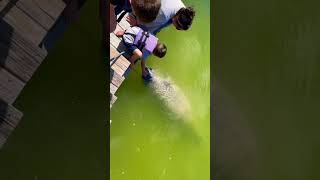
(120, 66)
(23, 26)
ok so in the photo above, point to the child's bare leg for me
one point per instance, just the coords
(137, 54)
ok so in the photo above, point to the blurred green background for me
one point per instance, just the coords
(266, 89)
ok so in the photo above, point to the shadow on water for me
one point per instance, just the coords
(62, 134)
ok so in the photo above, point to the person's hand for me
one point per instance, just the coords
(119, 33)
(131, 20)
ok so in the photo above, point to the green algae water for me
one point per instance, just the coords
(63, 134)
(162, 130)
(266, 89)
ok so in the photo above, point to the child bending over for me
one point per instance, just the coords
(140, 45)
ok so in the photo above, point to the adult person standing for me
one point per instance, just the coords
(146, 11)
(171, 12)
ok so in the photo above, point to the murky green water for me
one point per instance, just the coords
(63, 134)
(149, 139)
(267, 89)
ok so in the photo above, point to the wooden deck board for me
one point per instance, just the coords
(113, 100)
(123, 23)
(18, 62)
(9, 36)
(121, 65)
(9, 119)
(118, 45)
(23, 24)
(117, 79)
(123, 60)
(10, 86)
(18, 55)
(54, 8)
(34, 11)
(113, 88)
(4, 4)
(118, 69)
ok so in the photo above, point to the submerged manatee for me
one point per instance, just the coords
(172, 96)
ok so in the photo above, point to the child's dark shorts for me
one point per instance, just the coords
(130, 47)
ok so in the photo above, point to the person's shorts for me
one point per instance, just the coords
(130, 47)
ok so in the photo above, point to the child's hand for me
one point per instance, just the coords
(132, 20)
(119, 33)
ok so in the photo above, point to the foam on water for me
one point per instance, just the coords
(171, 95)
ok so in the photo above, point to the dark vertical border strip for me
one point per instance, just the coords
(105, 46)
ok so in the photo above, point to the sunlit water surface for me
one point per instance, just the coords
(162, 130)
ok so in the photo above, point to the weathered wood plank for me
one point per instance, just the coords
(114, 52)
(118, 69)
(124, 61)
(9, 119)
(34, 11)
(117, 79)
(14, 39)
(10, 86)
(124, 23)
(118, 44)
(53, 7)
(9, 114)
(17, 61)
(119, 64)
(113, 88)
(5, 130)
(24, 25)
(113, 100)
(114, 40)
(5, 5)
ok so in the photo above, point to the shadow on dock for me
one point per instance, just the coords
(5, 33)
(5, 41)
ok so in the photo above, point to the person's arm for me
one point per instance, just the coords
(137, 54)
(132, 20)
